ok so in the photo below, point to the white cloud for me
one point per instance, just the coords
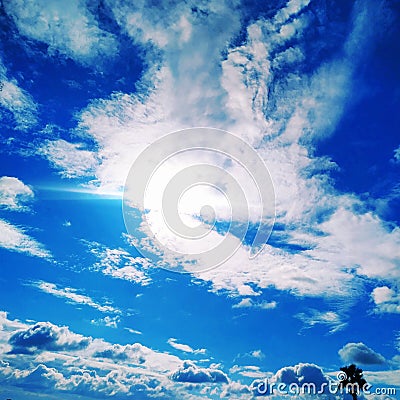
(73, 297)
(46, 336)
(17, 101)
(130, 330)
(189, 372)
(62, 362)
(15, 239)
(380, 378)
(386, 300)
(14, 194)
(188, 83)
(111, 322)
(329, 318)
(71, 159)
(184, 347)
(120, 264)
(397, 154)
(66, 28)
(247, 302)
(361, 354)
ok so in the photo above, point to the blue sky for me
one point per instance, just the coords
(313, 87)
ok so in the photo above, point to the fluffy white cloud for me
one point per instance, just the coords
(69, 29)
(247, 302)
(360, 353)
(14, 194)
(386, 300)
(62, 363)
(46, 336)
(189, 372)
(301, 373)
(15, 239)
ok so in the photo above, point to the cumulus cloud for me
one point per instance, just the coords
(361, 354)
(14, 194)
(133, 352)
(386, 300)
(46, 336)
(63, 363)
(247, 302)
(15, 239)
(189, 372)
(301, 373)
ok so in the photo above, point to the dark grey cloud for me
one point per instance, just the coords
(301, 373)
(133, 352)
(361, 354)
(189, 372)
(46, 336)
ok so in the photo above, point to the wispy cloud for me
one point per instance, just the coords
(262, 91)
(68, 29)
(17, 101)
(15, 239)
(111, 322)
(72, 160)
(118, 263)
(184, 347)
(72, 296)
(331, 319)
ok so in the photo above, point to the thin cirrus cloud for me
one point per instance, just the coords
(184, 347)
(330, 319)
(14, 238)
(17, 101)
(72, 296)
